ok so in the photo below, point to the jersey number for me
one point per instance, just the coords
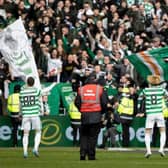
(153, 99)
(29, 100)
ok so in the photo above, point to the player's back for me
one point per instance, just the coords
(30, 103)
(153, 99)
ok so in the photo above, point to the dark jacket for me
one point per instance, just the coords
(111, 122)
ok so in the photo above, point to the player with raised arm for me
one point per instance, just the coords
(153, 96)
(30, 100)
(30, 109)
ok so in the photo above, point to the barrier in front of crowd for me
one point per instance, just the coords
(56, 131)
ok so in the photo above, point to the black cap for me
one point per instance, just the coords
(91, 79)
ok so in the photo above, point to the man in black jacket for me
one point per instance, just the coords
(91, 101)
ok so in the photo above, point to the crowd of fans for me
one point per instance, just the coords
(72, 38)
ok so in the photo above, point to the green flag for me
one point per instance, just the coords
(151, 62)
(66, 94)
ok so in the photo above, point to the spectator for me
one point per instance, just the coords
(80, 74)
(154, 28)
(99, 57)
(68, 67)
(158, 10)
(156, 43)
(87, 10)
(41, 55)
(54, 67)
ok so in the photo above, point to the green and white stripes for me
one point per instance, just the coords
(30, 103)
(153, 99)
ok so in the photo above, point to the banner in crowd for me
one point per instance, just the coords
(17, 51)
(66, 94)
(151, 62)
(57, 131)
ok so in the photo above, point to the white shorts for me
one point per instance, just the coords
(29, 123)
(152, 119)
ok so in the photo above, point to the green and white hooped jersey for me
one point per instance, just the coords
(153, 99)
(30, 102)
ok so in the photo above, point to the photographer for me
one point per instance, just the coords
(110, 122)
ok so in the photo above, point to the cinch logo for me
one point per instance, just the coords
(51, 132)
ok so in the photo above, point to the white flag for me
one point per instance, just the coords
(17, 52)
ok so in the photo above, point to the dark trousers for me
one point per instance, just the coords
(89, 135)
(75, 130)
(166, 120)
(125, 133)
(15, 123)
(110, 133)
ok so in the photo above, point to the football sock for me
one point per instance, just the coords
(25, 143)
(162, 140)
(147, 142)
(37, 140)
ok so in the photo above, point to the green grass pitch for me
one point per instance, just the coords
(61, 157)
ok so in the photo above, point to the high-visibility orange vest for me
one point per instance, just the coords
(90, 98)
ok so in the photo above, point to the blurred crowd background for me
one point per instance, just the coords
(72, 38)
